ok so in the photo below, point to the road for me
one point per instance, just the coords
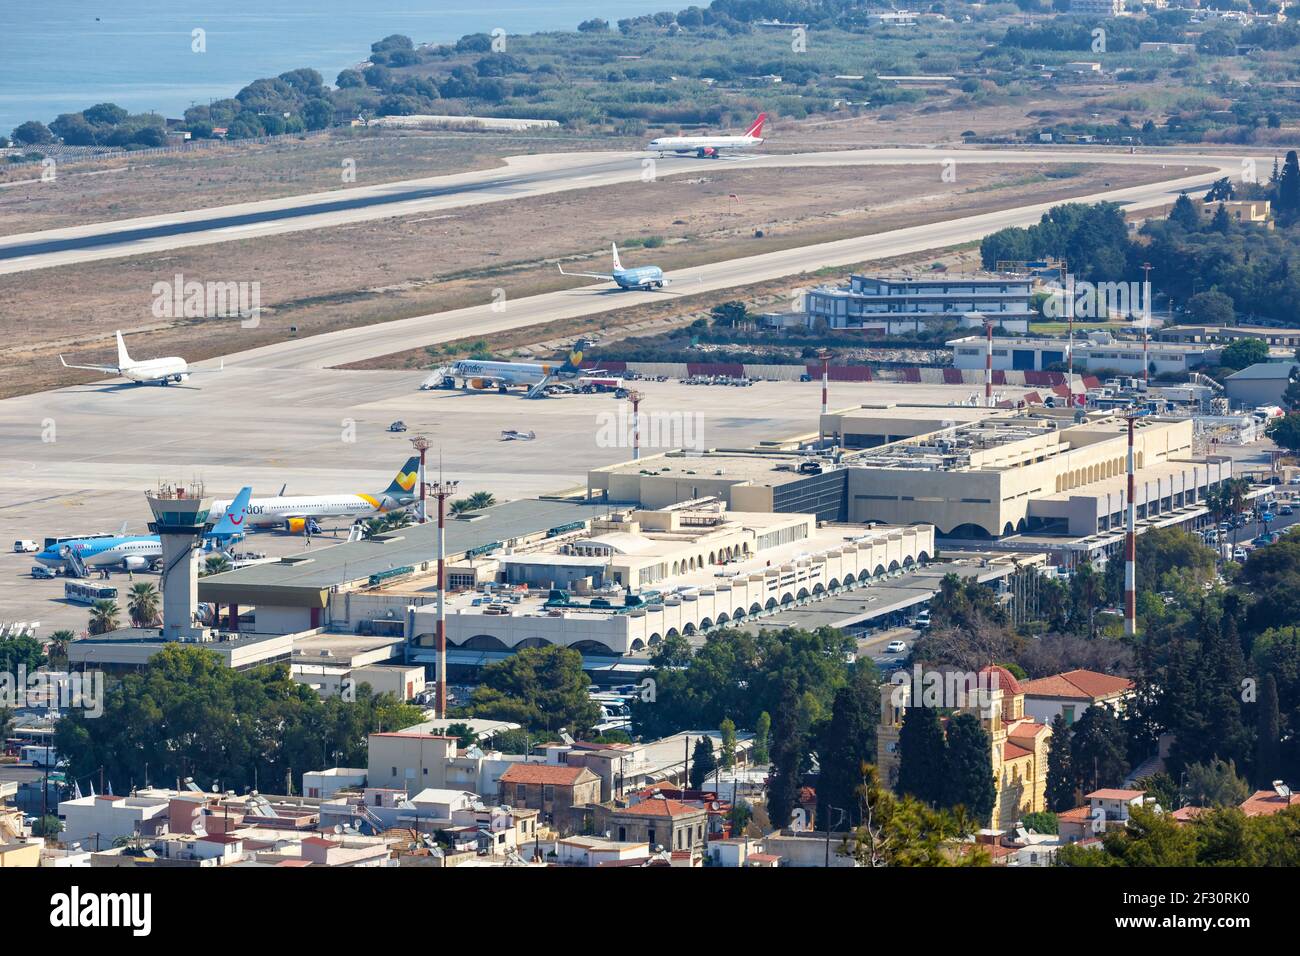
(523, 176)
(372, 341)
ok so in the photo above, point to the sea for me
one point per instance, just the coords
(62, 56)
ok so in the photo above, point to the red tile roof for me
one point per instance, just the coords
(1026, 729)
(655, 807)
(319, 841)
(546, 774)
(1264, 803)
(1000, 678)
(1012, 751)
(1077, 685)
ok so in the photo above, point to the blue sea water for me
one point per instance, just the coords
(61, 56)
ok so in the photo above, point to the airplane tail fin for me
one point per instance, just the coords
(231, 522)
(756, 130)
(123, 359)
(403, 484)
(617, 263)
(574, 362)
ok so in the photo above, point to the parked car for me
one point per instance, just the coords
(41, 571)
(1286, 511)
(24, 546)
(896, 647)
(1239, 554)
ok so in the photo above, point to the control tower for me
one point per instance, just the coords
(180, 518)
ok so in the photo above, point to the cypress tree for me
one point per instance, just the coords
(848, 742)
(1062, 785)
(970, 768)
(1268, 735)
(787, 750)
(921, 753)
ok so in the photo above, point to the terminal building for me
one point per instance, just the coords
(899, 305)
(977, 478)
(1098, 352)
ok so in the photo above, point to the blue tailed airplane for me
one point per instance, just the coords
(137, 552)
(642, 278)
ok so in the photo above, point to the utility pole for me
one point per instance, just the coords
(1130, 543)
(988, 364)
(442, 490)
(635, 397)
(421, 444)
(1146, 320)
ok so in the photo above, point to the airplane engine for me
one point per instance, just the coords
(707, 152)
(295, 525)
(479, 383)
(135, 563)
(182, 377)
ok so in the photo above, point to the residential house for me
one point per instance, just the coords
(560, 793)
(1073, 692)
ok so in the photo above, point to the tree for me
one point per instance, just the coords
(903, 831)
(703, 763)
(1288, 187)
(142, 605)
(970, 768)
(215, 564)
(1062, 785)
(1210, 308)
(1285, 432)
(1097, 749)
(465, 736)
(1268, 734)
(762, 728)
(1185, 213)
(1042, 822)
(787, 759)
(594, 25)
(1244, 352)
(22, 651)
(847, 742)
(727, 754)
(539, 687)
(1214, 784)
(921, 750)
(58, 646)
(103, 617)
(32, 133)
(481, 499)
(186, 713)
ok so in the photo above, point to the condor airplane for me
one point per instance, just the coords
(503, 375)
(642, 278)
(293, 513)
(709, 147)
(162, 371)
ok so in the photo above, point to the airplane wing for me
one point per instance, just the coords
(208, 371)
(587, 275)
(106, 369)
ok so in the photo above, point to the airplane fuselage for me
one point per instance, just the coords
(643, 277)
(171, 369)
(703, 146)
(291, 512)
(133, 552)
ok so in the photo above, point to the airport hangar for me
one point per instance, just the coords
(983, 477)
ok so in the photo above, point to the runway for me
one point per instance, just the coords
(522, 177)
(372, 341)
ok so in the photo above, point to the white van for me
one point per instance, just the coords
(23, 546)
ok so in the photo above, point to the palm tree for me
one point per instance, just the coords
(143, 604)
(480, 500)
(103, 617)
(59, 642)
(461, 506)
(215, 564)
(398, 519)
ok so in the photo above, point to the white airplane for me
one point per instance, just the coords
(709, 147)
(299, 513)
(163, 371)
(502, 375)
